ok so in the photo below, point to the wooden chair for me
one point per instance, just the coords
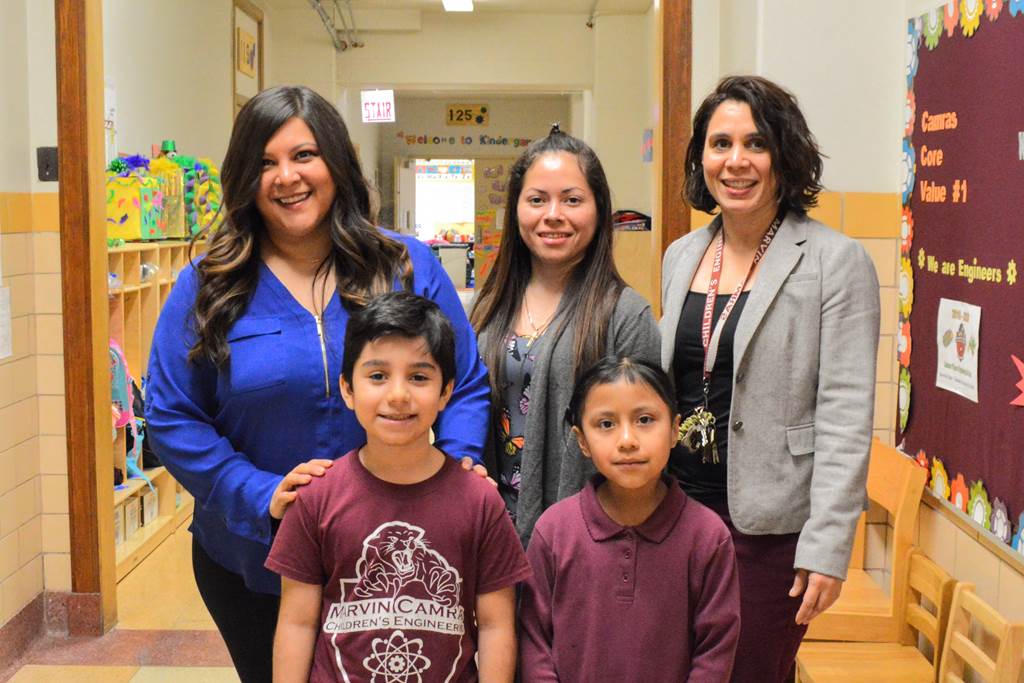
(832, 662)
(960, 652)
(864, 612)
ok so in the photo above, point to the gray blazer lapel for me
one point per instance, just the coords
(680, 272)
(780, 259)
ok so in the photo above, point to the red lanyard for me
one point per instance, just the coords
(709, 340)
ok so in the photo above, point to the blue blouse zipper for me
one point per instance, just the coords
(323, 355)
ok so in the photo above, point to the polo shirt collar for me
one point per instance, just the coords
(654, 529)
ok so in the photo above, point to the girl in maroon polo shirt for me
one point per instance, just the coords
(632, 581)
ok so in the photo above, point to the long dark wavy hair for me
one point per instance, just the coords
(796, 158)
(366, 262)
(594, 285)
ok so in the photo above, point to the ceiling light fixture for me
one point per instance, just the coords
(457, 5)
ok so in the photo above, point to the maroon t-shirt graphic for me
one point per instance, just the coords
(401, 567)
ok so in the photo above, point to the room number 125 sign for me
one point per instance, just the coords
(467, 115)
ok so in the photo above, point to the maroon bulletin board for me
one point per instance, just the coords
(963, 239)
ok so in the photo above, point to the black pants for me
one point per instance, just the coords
(246, 619)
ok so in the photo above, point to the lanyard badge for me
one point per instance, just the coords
(697, 432)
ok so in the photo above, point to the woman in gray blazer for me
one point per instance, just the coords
(553, 305)
(770, 331)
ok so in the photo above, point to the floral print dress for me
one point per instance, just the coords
(520, 355)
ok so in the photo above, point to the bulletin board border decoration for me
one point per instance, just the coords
(944, 27)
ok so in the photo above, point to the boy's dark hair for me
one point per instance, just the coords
(400, 314)
(612, 369)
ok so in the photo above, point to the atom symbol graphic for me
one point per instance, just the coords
(397, 660)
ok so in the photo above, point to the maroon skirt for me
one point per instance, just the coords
(769, 634)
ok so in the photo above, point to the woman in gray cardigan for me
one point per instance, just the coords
(553, 305)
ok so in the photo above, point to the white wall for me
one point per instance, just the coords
(14, 98)
(621, 108)
(42, 86)
(302, 51)
(548, 52)
(847, 70)
(706, 50)
(176, 87)
(366, 136)
(844, 62)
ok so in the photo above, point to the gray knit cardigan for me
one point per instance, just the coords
(552, 465)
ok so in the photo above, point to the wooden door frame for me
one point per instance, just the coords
(92, 604)
(676, 85)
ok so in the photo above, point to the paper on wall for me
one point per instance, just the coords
(958, 341)
(5, 322)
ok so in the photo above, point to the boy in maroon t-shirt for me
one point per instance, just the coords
(397, 565)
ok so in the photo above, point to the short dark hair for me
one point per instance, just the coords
(611, 369)
(796, 158)
(400, 314)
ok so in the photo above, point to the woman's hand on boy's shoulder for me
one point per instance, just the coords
(287, 490)
(476, 468)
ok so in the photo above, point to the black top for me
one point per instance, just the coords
(706, 482)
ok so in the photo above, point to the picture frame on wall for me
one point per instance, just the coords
(247, 52)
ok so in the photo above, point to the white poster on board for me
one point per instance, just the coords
(958, 339)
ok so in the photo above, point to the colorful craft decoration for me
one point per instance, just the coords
(903, 398)
(951, 16)
(993, 8)
(208, 197)
(932, 28)
(978, 507)
(171, 182)
(1019, 400)
(940, 480)
(922, 459)
(905, 293)
(134, 205)
(906, 231)
(909, 114)
(202, 193)
(913, 40)
(1001, 521)
(1018, 540)
(970, 16)
(907, 171)
(903, 343)
(958, 493)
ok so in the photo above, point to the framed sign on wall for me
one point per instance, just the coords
(247, 50)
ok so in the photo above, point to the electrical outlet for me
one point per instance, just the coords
(46, 160)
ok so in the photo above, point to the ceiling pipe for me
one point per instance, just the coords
(348, 26)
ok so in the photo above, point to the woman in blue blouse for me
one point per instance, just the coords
(242, 398)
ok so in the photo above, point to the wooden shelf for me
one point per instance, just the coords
(133, 311)
(135, 549)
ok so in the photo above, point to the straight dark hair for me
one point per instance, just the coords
(611, 369)
(594, 285)
(400, 314)
(796, 159)
(366, 261)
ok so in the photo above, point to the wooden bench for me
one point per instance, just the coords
(928, 588)
(864, 611)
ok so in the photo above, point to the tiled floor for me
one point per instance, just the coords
(164, 633)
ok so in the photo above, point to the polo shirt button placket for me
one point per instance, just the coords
(628, 577)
